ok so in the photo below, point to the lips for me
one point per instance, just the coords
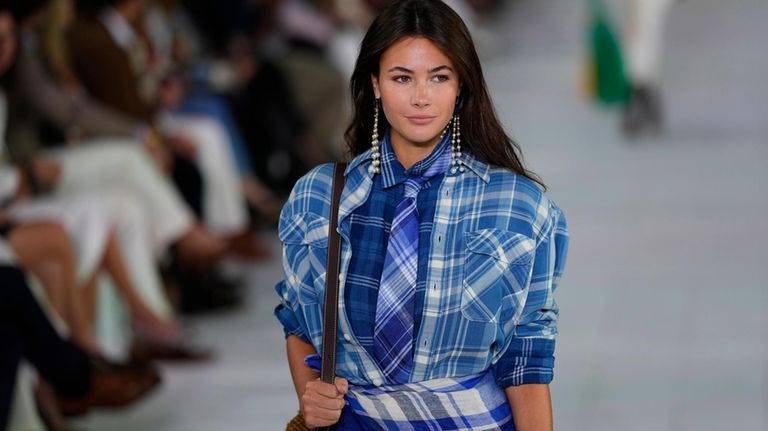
(420, 119)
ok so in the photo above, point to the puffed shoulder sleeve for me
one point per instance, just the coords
(530, 355)
(301, 230)
(288, 311)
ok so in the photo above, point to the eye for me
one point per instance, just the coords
(402, 79)
(441, 78)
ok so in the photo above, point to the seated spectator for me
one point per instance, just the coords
(104, 229)
(111, 60)
(79, 381)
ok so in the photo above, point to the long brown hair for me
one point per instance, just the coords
(481, 131)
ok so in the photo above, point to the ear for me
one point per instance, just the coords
(375, 83)
(459, 100)
(459, 103)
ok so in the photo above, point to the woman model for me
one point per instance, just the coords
(450, 251)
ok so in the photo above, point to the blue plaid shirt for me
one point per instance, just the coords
(493, 250)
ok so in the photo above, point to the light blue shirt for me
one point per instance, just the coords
(497, 251)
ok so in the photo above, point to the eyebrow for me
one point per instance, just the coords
(406, 70)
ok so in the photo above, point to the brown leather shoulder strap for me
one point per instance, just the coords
(331, 306)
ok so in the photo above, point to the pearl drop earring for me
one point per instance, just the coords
(456, 145)
(375, 150)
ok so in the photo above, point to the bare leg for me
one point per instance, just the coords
(144, 319)
(198, 246)
(46, 251)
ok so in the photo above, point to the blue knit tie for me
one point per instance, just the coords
(393, 330)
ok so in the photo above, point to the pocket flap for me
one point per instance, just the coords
(506, 246)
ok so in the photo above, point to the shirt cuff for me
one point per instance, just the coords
(526, 361)
(290, 323)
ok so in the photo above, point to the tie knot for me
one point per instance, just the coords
(412, 186)
(440, 165)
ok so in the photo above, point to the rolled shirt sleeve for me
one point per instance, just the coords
(529, 357)
(285, 314)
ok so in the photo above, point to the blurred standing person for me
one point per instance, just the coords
(644, 46)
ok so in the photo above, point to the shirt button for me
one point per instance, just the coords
(439, 239)
(285, 296)
(377, 381)
(347, 337)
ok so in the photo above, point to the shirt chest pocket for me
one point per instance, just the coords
(305, 243)
(497, 272)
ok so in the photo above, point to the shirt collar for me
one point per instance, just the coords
(479, 168)
(472, 164)
(392, 170)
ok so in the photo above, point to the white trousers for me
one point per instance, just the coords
(224, 210)
(113, 185)
(117, 168)
(645, 38)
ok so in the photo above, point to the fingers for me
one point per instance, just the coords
(322, 403)
(323, 389)
(342, 385)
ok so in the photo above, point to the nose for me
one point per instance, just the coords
(421, 96)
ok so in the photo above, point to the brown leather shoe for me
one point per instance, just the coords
(47, 407)
(246, 246)
(112, 387)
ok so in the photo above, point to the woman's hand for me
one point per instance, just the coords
(321, 403)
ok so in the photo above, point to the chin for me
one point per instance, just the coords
(421, 136)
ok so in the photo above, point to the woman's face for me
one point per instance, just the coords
(418, 86)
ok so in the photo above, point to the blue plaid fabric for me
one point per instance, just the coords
(496, 251)
(467, 403)
(393, 335)
(369, 233)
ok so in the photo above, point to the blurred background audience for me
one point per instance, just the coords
(144, 144)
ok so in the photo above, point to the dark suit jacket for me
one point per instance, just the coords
(105, 70)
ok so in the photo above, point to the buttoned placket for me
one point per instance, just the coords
(361, 193)
(422, 358)
(430, 313)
